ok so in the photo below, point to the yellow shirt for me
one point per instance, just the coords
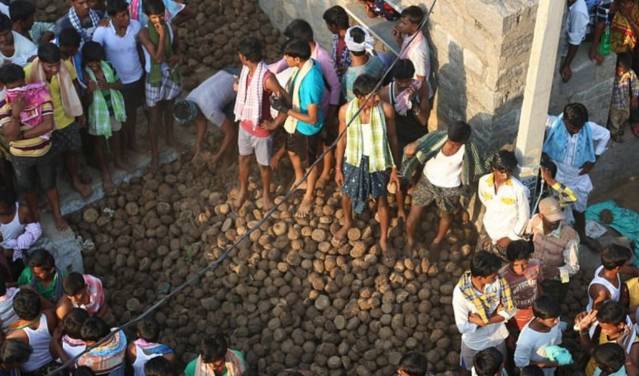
(633, 290)
(60, 118)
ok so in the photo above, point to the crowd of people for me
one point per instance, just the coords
(86, 77)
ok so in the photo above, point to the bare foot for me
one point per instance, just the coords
(83, 189)
(322, 181)
(340, 235)
(388, 252)
(267, 203)
(60, 223)
(401, 214)
(240, 199)
(305, 208)
(300, 187)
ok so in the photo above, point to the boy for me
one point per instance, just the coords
(488, 362)
(252, 110)
(337, 23)
(81, 18)
(608, 324)
(120, 41)
(163, 79)
(543, 330)
(14, 48)
(610, 359)
(522, 274)
(506, 202)
(69, 41)
(106, 111)
(482, 304)
(67, 341)
(366, 157)
(451, 165)
(305, 120)
(560, 192)
(413, 364)
(107, 357)
(145, 347)
(83, 291)
(215, 355)
(67, 109)
(30, 145)
(42, 276)
(625, 96)
(606, 284)
(22, 18)
(360, 45)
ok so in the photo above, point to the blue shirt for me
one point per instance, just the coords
(311, 92)
(373, 67)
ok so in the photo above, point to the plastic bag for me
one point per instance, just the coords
(604, 44)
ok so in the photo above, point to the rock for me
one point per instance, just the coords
(90, 215)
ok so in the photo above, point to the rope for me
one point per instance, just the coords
(214, 264)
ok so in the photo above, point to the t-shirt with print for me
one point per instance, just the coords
(523, 287)
(311, 92)
(61, 119)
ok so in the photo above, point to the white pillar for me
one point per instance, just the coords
(541, 71)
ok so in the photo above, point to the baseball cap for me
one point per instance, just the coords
(550, 209)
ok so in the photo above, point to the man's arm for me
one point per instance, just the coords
(523, 351)
(598, 294)
(44, 127)
(461, 312)
(391, 132)
(424, 105)
(310, 117)
(156, 53)
(274, 87)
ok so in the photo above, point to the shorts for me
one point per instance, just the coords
(305, 147)
(166, 91)
(467, 354)
(601, 13)
(486, 243)
(618, 118)
(329, 133)
(67, 140)
(261, 146)
(30, 170)
(116, 126)
(133, 94)
(446, 199)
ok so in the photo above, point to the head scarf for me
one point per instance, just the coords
(366, 45)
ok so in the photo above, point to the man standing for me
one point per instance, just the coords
(482, 305)
(360, 45)
(14, 48)
(576, 28)
(80, 17)
(337, 23)
(556, 246)
(574, 144)
(506, 201)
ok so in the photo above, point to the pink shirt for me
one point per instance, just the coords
(96, 294)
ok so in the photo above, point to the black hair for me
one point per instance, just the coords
(531, 371)
(403, 69)
(73, 283)
(27, 305)
(519, 250)
(148, 330)
(41, 258)
(153, 7)
(92, 52)
(505, 161)
(299, 29)
(290, 372)
(611, 312)
(21, 10)
(364, 85)
(459, 131)
(5, 23)
(252, 49)
(94, 329)
(546, 162)
(545, 307)
(625, 60)
(73, 321)
(359, 35)
(488, 362)
(213, 348)
(610, 357)
(3, 286)
(49, 53)
(116, 6)
(70, 37)
(336, 16)
(414, 14)
(298, 48)
(414, 364)
(614, 256)
(576, 114)
(14, 73)
(484, 264)
(10, 73)
(13, 351)
(82, 371)
(159, 366)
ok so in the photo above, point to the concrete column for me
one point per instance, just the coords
(541, 70)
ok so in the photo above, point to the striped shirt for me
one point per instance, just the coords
(29, 147)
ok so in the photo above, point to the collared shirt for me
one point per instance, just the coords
(624, 87)
(475, 337)
(578, 20)
(507, 209)
(419, 54)
(570, 253)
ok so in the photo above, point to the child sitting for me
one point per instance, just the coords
(542, 331)
(625, 96)
(106, 111)
(610, 359)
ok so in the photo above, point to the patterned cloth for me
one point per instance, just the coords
(66, 140)
(599, 11)
(626, 87)
(30, 147)
(622, 38)
(96, 295)
(68, 95)
(557, 139)
(563, 194)
(233, 364)
(7, 314)
(156, 74)
(168, 90)
(153, 348)
(107, 357)
(250, 96)
(430, 144)
(360, 184)
(35, 96)
(77, 24)
(343, 61)
(482, 302)
(404, 100)
(381, 157)
(446, 199)
(99, 114)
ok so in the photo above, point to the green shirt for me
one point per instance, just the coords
(26, 278)
(190, 368)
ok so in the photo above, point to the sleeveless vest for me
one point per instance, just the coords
(550, 251)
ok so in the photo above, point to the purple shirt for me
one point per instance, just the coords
(327, 65)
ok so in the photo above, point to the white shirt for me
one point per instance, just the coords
(24, 49)
(577, 24)
(530, 346)
(122, 52)
(4, 9)
(445, 171)
(473, 336)
(367, 139)
(507, 210)
(212, 95)
(419, 55)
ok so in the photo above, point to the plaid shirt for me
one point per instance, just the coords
(621, 91)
